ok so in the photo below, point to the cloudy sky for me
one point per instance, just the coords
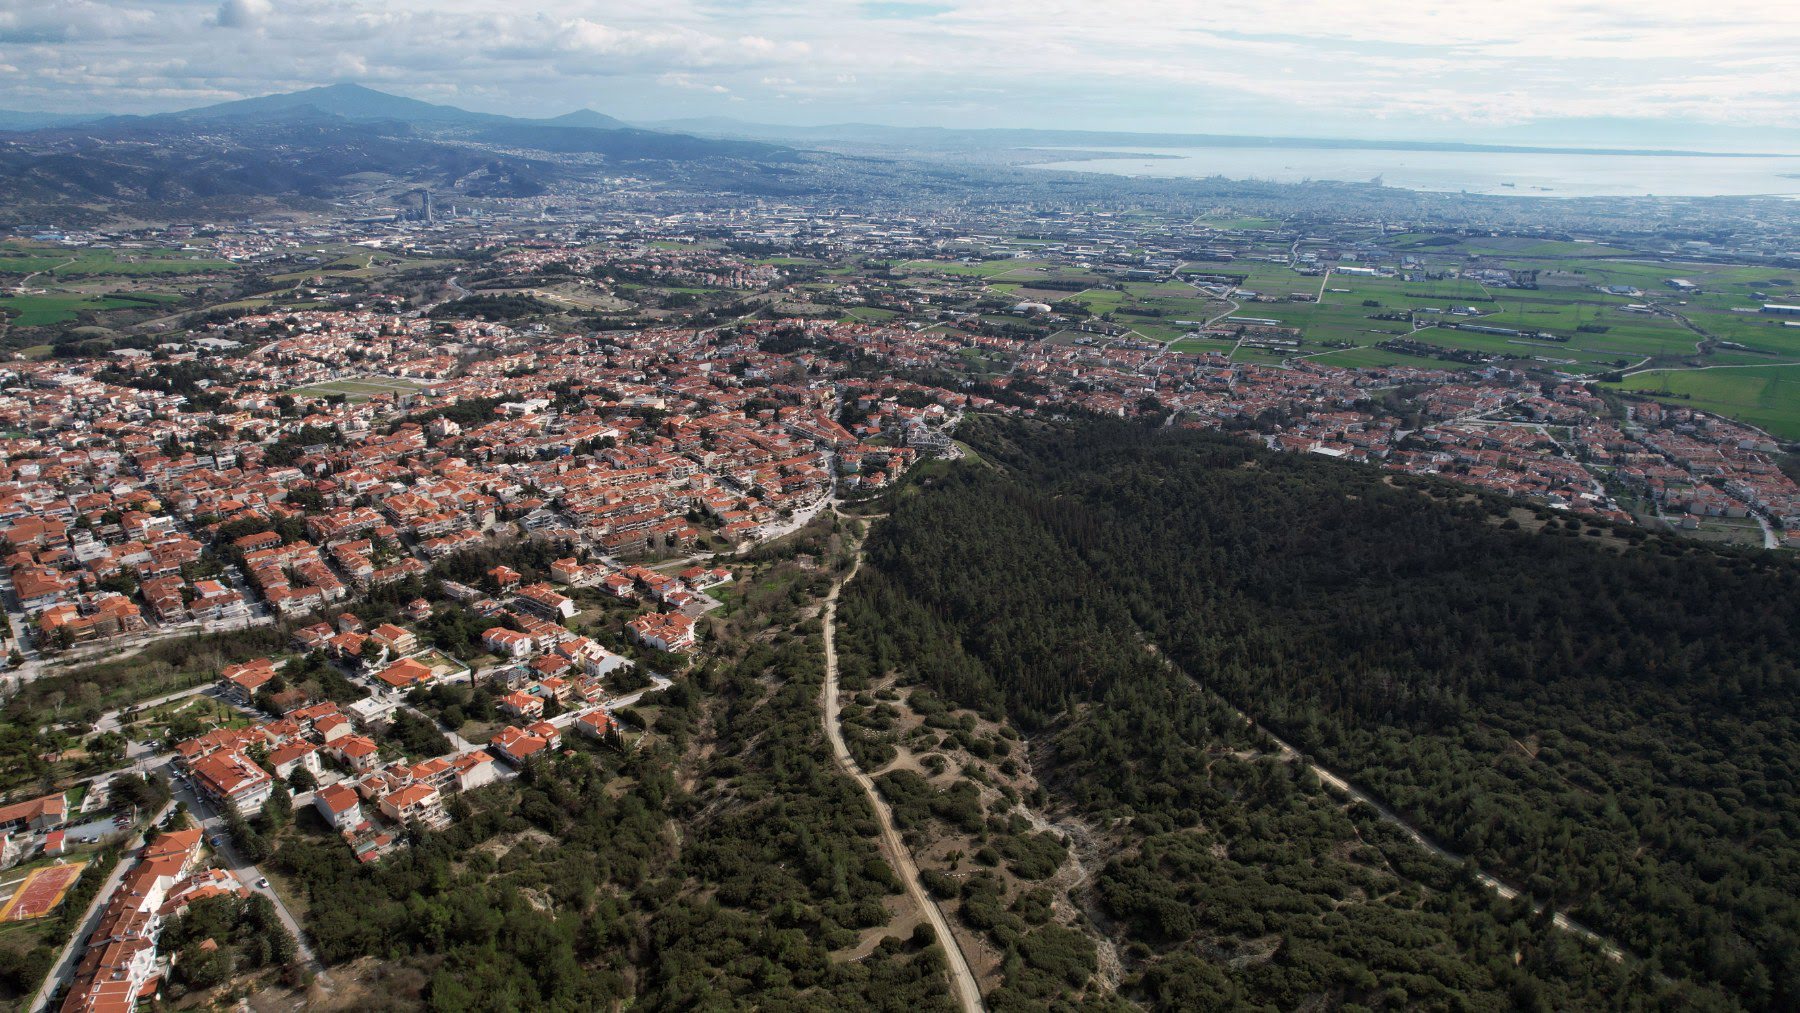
(1671, 71)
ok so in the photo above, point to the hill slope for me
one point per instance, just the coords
(317, 144)
(1606, 720)
(345, 101)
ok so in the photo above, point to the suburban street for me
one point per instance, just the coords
(212, 822)
(66, 960)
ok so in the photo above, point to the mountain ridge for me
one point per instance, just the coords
(992, 138)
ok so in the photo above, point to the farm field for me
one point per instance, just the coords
(1765, 396)
(980, 269)
(21, 258)
(1363, 358)
(1197, 346)
(1601, 333)
(870, 314)
(789, 261)
(358, 263)
(56, 308)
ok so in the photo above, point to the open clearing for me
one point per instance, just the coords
(56, 308)
(1766, 396)
(25, 258)
(359, 389)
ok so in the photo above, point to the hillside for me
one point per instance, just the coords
(298, 149)
(1591, 714)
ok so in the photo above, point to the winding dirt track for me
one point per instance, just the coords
(962, 980)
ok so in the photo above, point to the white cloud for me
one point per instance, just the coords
(242, 13)
(69, 22)
(1162, 64)
(690, 83)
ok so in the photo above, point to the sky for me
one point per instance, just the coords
(1647, 72)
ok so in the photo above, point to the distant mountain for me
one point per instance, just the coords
(627, 144)
(952, 140)
(346, 101)
(581, 131)
(359, 104)
(12, 119)
(586, 118)
(304, 161)
(311, 146)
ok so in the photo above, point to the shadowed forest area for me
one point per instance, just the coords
(1599, 716)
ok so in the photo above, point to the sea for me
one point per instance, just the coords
(1503, 173)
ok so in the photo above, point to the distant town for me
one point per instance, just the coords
(444, 484)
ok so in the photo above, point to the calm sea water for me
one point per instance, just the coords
(1504, 173)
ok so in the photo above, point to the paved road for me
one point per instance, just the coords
(962, 979)
(111, 720)
(781, 529)
(658, 683)
(64, 968)
(228, 857)
(1770, 541)
(38, 666)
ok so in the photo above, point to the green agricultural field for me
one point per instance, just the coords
(1612, 336)
(1764, 396)
(980, 360)
(62, 307)
(25, 259)
(359, 265)
(1197, 346)
(1099, 300)
(271, 302)
(1237, 224)
(981, 269)
(1155, 331)
(871, 314)
(1361, 358)
(1259, 355)
(789, 262)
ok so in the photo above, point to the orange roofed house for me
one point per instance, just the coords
(403, 675)
(339, 806)
(516, 745)
(241, 683)
(46, 813)
(664, 631)
(119, 966)
(415, 802)
(228, 777)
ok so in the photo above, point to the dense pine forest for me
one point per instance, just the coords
(1600, 716)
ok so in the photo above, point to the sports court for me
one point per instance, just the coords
(40, 892)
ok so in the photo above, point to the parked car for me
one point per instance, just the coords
(263, 883)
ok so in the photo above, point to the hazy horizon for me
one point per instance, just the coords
(1655, 75)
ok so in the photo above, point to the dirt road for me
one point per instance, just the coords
(968, 992)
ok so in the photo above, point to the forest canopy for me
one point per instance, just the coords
(1607, 723)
